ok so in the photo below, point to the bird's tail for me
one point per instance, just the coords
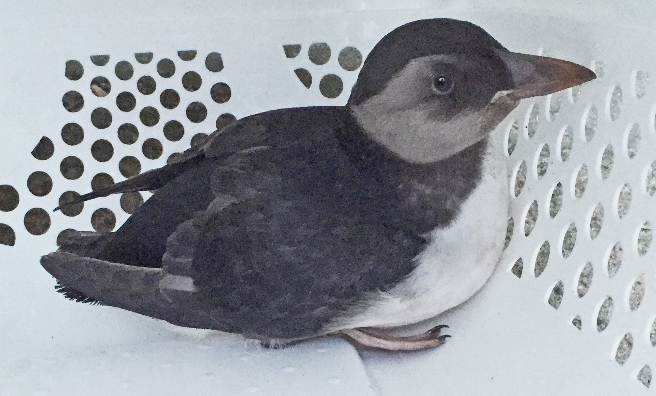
(124, 286)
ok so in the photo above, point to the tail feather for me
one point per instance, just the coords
(124, 286)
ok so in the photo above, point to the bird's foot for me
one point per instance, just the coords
(378, 339)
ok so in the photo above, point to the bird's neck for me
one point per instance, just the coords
(426, 195)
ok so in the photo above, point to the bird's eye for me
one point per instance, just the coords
(442, 85)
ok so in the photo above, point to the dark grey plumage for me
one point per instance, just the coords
(283, 221)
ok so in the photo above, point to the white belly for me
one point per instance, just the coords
(455, 265)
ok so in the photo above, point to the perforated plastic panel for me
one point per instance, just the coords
(92, 92)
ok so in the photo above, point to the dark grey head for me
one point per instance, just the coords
(433, 87)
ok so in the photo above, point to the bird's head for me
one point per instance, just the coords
(434, 87)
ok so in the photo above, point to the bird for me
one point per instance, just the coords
(343, 221)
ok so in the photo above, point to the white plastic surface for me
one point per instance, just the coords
(507, 340)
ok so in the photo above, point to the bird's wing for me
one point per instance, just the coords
(270, 238)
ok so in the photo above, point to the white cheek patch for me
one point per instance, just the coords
(177, 282)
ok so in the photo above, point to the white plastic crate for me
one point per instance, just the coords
(538, 333)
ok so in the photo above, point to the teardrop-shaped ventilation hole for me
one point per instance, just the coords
(605, 313)
(615, 259)
(556, 200)
(581, 181)
(644, 375)
(585, 280)
(556, 296)
(518, 268)
(520, 178)
(569, 240)
(542, 258)
(637, 293)
(650, 180)
(624, 349)
(615, 103)
(543, 161)
(531, 218)
(644, 238)
(513, 133)
(577, 322)
(596, 221)
(633, 141)
(533, 121)
(591, 124)
(566, 143)
(509, 232)
(624, 201)
(607, 162)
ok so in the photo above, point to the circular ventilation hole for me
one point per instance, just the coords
(518, 268)
(129, 166)
(146, 85)
(624, 349)
(44, 149)
(624, 200)
(128, 133)
(590, 124)
(7, 235)
(100, 86)
(607, 162)
(187, 55)
(196, 112)
(8, 198)
(520, 178)
(131, 201)
(169, 99)
(331, 86)
(566, 141)
(605, 313)
(103, 220)
(102, 150)
(291, 50)
(319, 53)
(543, 161)
(73, 101)
(596, 221)
(64, 235)
(214, 62)
(509, 232)
(125, 101)
(304, 77)
(101, 118)
(100, 181)
(74, 70)
(36, 221)
(633, 141)
(542, 258)
(615, 103)
(99, 60)
(144, 57)
(585, 280)
(556, 296)
(224, 120)
(191, 81)
(149, 116)
(531, 218)
(71, 168)
(644, 239)
(615, 259)
(152, 148)
(637, 293)
(166, 68)
(349, 58)
(124, 70)
(70, 210)
(581, 181)
(569, 240)
(72, 134)
(198, 139)
(556, 201)
(173, 131)
(220, 92)
(39, 183)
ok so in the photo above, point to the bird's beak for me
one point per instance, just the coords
(540, 75)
